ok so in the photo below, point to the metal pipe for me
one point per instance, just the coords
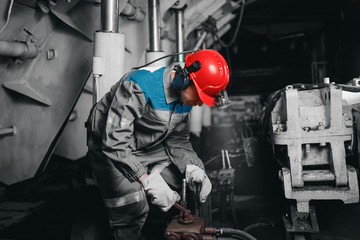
(18, 49)
(109, 15)
(95, 88)
(133, 13)
(184, 190)
(180, 33)
(228, 159)
(8, 131)
(200, 41)
(154, 30)
(223, 159)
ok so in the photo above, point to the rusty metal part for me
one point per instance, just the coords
(185, 216)
(176, 230)
(182, 209)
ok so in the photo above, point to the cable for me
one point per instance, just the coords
(236, 232)
(226, 45)
(8, 16)
(170, 55)
(253, 226)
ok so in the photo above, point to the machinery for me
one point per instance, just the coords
(312, 132)
(53, 58)
(186, 226)
(57, 57)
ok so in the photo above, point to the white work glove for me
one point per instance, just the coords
(194, 174)
(161, 194)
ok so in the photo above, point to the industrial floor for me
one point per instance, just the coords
(73, 210)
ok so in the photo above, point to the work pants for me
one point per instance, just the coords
(126, 202)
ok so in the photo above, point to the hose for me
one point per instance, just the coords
(230, 238)
(227, 238)
(169, 55)
(232, 41)
(8, 15)
(236, 233)
(256, 225)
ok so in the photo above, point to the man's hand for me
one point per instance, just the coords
(161, 194)
(194, 174)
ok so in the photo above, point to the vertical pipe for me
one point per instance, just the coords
(109, 15)
(95, 89)
(180, 33)
(154, 26)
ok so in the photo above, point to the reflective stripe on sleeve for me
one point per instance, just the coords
(125, 200)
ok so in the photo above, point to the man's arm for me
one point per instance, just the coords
(180, 149)
(127, 105)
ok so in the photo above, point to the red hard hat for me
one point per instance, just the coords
(213, 75)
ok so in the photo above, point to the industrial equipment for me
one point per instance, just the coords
(312, 132)
(186, 226)
(57, 57)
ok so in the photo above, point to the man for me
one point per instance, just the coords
(138, 135)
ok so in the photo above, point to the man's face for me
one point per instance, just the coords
(190, 96)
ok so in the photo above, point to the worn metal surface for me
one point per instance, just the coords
(315, 125)
(38, 94)
(193, 231)
(348, 194)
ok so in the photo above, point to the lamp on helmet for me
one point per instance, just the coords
(222, 100)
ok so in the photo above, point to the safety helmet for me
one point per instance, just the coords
(213, 76)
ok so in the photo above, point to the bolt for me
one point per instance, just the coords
(307, 148)
(306, 129)
(321, 126)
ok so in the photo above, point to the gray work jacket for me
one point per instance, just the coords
(142, 112)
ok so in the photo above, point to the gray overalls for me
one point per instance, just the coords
(139, 125)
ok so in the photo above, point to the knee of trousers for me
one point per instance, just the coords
(132, 214)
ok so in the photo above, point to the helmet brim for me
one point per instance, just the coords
(210, 101)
